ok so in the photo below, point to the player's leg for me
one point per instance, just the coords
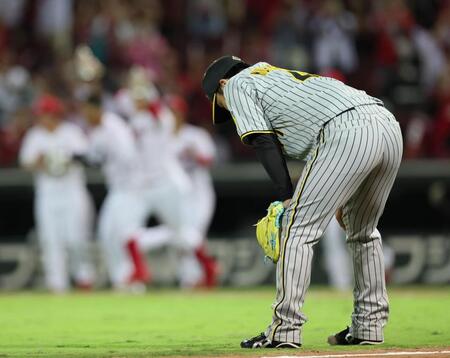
(204, 201)
(129, 223)
(174, 212)
(203, 196)
(52, 246)
(118, 264)
(153, 238)
(141, 239)
(340, 163)
(360, 216)
(337, 260)
(79, 214)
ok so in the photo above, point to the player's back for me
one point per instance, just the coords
(294, 104)
(58, 145)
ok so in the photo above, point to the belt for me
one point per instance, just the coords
(352, 109)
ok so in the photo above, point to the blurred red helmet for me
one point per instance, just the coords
(48, 104)
(177, 104)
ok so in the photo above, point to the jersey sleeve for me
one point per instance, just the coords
(205, 149)
(97, 149)
(29, 151)
(245, 108)
(167, 121)
(79, 142)
(139, 123)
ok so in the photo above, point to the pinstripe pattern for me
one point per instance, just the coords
(353, 147)
(355, 168)
(265, 98)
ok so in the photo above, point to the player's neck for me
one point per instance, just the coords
(50, 127)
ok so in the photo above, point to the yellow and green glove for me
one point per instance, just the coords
(268, 231)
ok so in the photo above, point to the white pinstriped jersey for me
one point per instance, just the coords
(292, 104)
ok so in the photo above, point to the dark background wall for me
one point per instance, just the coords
(416, 225)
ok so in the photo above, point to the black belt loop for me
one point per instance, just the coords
(351, 109)
(347, 110)
(337, 115)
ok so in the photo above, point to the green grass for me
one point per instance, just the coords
(165, 322)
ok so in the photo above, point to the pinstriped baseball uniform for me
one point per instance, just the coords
(353, 147)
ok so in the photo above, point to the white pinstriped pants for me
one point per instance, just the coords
(353, 166)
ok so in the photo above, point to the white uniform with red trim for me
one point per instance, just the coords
(113, 145)
(196, 152)
(166, 184)
(63, 207)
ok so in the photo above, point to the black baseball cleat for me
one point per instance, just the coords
(344, 338)
(262, 341)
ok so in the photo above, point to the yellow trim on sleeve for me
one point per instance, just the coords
(253, 132)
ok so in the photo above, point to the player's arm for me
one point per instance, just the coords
(96, 151)
(86, 161)
(79, 144)
(36, 164)
(30, 156)
(269, 153)
(80, 147)
(340, 220)
(254, 130)
(245, 109)
(204, 150)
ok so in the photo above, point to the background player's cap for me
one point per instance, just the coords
(48, 104)
(213, 74)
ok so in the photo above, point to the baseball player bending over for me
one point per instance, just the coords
(353, 148)
(63, 209)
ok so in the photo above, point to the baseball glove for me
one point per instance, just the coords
(268, 231)
(57, 163)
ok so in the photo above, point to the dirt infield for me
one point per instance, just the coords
(397, 353)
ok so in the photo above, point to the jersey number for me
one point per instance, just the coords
(298, 75)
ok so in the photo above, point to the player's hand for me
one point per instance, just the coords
(57, 162)
(39, 164)
(286, 203)
(339, 218)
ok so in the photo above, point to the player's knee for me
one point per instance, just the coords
(189, 238)
(302, 236)
(363, 235)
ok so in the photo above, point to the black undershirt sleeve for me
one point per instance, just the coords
(269, 153)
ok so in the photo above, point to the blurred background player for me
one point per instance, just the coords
(166, 183)
(63, 209)
(196, 151)
(112, 146)
(396, 50)
(88, 73)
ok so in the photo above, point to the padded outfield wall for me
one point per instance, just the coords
(415, 225)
